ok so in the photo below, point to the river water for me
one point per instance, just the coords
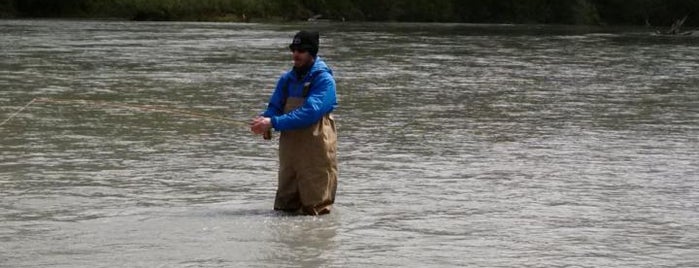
(460, 145)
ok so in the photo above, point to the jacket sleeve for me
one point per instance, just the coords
(320, 101)
(276, 101)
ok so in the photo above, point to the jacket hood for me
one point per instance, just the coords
(318, 67)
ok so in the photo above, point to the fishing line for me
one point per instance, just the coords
(151, 108)
(18, 111)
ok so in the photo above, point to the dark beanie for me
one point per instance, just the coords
(306, 40)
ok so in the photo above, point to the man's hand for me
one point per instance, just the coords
(260, 125)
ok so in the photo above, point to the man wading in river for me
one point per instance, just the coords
(300, 108)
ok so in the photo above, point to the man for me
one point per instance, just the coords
(300, 108)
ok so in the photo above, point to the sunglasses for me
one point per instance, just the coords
(299, 50)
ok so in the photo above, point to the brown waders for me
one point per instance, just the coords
(307, 166)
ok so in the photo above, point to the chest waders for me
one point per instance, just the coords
(307, 164)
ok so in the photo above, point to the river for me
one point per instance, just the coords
(459, 146)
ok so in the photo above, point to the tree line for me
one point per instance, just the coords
(589, 12)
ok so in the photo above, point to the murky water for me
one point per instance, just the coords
(478, 146)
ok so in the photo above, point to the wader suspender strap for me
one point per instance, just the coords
(306, 89)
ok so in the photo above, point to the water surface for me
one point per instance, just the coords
(460, 145)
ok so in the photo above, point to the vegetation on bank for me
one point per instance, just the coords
(636, 12)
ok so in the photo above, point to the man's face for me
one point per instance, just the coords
(301, 57)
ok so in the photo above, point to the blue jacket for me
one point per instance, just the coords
(321, 98)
